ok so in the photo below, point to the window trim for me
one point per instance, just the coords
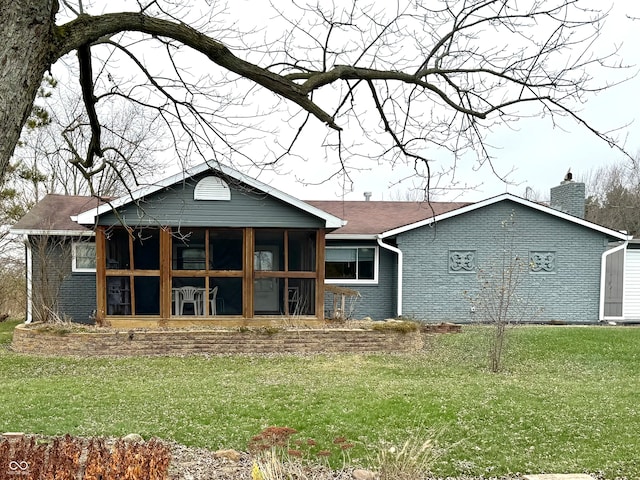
(354, 281)
(74, 256)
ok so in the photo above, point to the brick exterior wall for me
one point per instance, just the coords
(76, 299)
(188, 342)
(570, 294)
(568, 197)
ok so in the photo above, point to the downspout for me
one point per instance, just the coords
(603, 272)
(29, 278)
(398, 252)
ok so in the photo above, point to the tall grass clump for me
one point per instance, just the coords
(411, 460)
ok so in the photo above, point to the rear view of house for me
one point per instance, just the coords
(211, 246)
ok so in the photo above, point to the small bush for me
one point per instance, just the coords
(279, 456)
(396, 326)
(412, 461)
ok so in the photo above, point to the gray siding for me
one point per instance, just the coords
(175, 206)
(72, 295)
(378, 301)
(570, 294)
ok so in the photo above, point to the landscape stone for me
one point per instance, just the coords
(133, 438)
(361, 474)
(229, 454)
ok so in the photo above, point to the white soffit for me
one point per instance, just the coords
(212, 188)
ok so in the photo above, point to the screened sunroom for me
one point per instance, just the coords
(211, 248)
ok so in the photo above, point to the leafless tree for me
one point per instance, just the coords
(613, 195)
(391, 81)
(51, 265)
(12, 287)
(501, 300)
(48, 150)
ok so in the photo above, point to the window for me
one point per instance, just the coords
(83, 257)
(351, 264)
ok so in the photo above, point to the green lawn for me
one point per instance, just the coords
(568, 399)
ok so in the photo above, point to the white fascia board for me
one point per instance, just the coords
(89, 217)
(351, 236)
(66, 233)
(513, 198)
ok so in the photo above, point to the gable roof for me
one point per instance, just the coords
(53, 214)
(370, 220)
(88, 217)
(375, 218)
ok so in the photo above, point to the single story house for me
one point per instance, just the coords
(214, 246)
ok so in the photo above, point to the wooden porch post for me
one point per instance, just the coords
(247, 288)
(101, 284)
(165, 274)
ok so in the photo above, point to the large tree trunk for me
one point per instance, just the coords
(26, 46)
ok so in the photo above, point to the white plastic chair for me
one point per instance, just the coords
(193, 296)
(212, 300)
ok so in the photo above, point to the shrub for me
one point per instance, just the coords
(411, 461)
(396, 326)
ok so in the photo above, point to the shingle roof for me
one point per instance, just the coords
(53, 213)
(372, 218)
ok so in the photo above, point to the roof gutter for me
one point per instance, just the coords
(603, 279)
(398, 252)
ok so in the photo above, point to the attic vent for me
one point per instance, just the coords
(212, 188)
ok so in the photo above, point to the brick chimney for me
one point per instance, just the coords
(568, 197)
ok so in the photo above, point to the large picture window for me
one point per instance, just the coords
(351, 264)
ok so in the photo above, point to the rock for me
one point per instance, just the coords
(230, 454)
(13, 435)
(361, 474)
(133, 438)
(367, 319)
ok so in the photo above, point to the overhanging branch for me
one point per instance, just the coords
(87, 29)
